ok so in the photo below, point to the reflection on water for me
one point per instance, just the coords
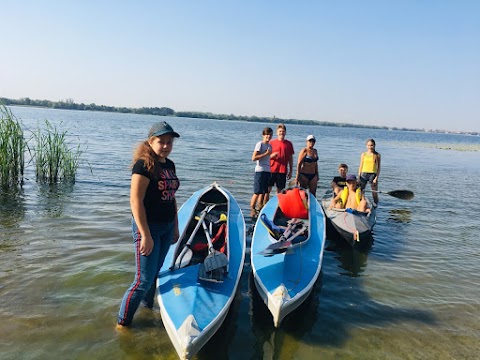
(12, 206)
(53, 197)
(353, 261)
(400, 215)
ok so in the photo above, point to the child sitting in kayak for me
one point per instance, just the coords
(351, 197)
(340, 181)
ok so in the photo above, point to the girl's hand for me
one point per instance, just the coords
(146, 245)
(176, 235)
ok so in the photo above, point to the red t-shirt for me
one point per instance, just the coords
(285, 152)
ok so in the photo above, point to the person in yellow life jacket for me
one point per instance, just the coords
(369, 169)
(350, 197)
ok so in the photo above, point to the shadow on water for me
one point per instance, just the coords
(271, 342)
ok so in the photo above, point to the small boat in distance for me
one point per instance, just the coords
(286, 254)
(201, 272)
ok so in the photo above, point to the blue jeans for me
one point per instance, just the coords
(147, 268)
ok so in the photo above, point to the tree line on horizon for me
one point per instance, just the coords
(69, 104)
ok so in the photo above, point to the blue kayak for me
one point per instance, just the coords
(286, 266)
(197, 282)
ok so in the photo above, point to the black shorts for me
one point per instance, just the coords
(309, 176)
(260, 182)
(366, 178)
(278, 179)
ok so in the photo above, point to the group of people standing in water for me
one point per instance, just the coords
(274, 166)
(154, 208)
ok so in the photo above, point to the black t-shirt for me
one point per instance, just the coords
(340, 181)
(160, 195)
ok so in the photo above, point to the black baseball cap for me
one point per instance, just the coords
(162, 128)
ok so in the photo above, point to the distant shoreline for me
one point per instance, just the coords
(69, 104)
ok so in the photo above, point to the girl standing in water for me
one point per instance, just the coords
(369, 169)
(154, 210)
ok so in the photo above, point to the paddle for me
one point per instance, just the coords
(399, 194)
(286, 241)
(215, 259)
(276, 248)
(186, 255)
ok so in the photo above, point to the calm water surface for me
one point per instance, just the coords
(66, 256)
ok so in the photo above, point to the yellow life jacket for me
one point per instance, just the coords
(344, 196)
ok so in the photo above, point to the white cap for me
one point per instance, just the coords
(311, 137)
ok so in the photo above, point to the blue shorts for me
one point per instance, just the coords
(279, 179)
(260, 182)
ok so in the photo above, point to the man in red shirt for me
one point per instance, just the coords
(281, 161)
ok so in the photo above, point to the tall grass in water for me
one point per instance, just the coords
(12, 149)
(54, 160)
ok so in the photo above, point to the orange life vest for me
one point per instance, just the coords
(294, 203)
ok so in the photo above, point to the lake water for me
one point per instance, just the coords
(66, 256)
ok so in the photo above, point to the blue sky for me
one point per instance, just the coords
(413, 64)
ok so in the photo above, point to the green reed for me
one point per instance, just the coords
(55, 161)
(12, 149)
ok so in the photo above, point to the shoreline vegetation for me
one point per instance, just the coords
(54, 158)
(69, 104)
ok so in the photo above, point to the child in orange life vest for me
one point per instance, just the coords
(369, 169)
(351, 197)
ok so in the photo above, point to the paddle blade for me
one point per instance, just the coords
(215, 276)
(276, 248)
(215, 260)
(184, 258)
(402, 194)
